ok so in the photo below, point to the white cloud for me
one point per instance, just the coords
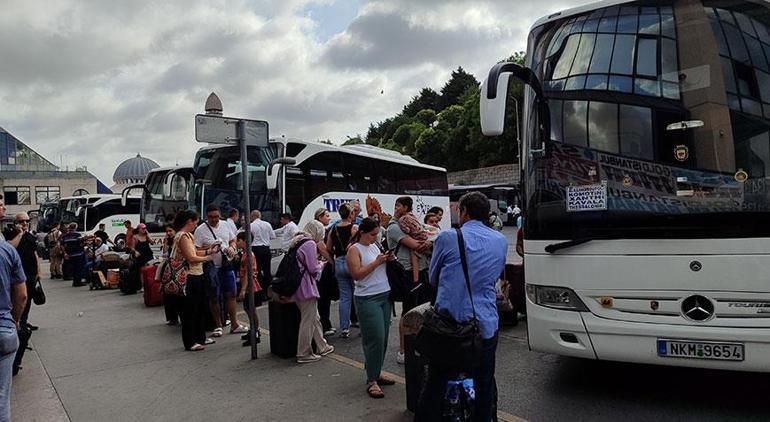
(99, 81)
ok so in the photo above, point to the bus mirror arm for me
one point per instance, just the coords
(494, 94)
(272, 177)
(126, 190)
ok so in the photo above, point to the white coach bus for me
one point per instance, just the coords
(89, 211)
(299, 177)
(646, 164)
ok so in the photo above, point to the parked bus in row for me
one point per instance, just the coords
(89, 211)
(646, 163)
(294, 176)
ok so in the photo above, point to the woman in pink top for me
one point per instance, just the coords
(306, 299)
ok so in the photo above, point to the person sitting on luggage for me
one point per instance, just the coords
(243, 291)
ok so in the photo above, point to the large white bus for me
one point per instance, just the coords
(294, 176)
(89, 211)
(317, 175)
(646, 162)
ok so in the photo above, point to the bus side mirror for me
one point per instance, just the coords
(272, 175)
(493, 109)
(494, 92)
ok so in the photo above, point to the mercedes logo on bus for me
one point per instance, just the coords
(696, 266)
(697, 308)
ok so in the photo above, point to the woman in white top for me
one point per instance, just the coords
(366, 266)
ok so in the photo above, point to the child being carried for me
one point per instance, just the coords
(419, 232)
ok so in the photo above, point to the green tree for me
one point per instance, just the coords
(430, 147)
(426, 99)
(426, 116)
(406, 135)
(456, 87)
(353, 141)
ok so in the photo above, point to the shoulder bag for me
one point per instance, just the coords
(174, 273)
(399, 279)
(227, 263)
(448, 343)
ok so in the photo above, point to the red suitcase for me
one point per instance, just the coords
(152, 294)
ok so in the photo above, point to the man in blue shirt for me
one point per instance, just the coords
(74, 253)
(13, 296)
(485, 251)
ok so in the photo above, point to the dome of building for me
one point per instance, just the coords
(133, 170)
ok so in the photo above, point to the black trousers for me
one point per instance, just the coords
(173, 306)
(77, 265)
(262, 255)
(194, 311)
(432, 397)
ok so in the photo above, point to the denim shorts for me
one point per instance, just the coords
(221, 282)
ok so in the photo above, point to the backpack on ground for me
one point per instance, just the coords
(289, 274)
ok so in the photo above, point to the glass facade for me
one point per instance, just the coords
(15, 156)
(667, 104)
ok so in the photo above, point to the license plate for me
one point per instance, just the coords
(700, 350)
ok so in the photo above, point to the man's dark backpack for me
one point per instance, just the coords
(289, 275)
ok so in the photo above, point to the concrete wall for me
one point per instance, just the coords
(502, 174)
(68, 182)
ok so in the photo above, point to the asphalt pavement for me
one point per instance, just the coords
(107, 357)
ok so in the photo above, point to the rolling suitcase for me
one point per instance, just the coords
(152, 292)
(284, 328)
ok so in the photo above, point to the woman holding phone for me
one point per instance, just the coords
(371, 295)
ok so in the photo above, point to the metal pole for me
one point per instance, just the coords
(247, 212)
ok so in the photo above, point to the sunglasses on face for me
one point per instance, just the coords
(22, 221)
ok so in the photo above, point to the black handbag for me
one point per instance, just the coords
(38, 295)
(328, 287)
(399, 279)
(448, 343)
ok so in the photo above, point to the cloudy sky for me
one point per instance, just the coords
(93, 82)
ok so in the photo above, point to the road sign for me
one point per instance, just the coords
(224, 130)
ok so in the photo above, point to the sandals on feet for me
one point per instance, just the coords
(209, 341)
(217, 332)
(240, 329)
(374, 391)
(196, 348)
(385, 381)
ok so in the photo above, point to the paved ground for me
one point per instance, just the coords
(118, 361)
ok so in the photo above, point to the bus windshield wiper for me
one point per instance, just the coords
(567, 244)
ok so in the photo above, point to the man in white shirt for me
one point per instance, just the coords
(222, 279)
(261, 234)
(231, 221)
(287, 231)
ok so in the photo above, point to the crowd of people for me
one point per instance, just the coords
(341, 260)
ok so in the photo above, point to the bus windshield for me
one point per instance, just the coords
(218, 171)
(660, 122)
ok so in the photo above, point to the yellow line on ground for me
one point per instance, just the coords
(503, 416)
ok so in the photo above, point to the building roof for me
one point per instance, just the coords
(133, 168)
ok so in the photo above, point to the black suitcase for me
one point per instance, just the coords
(24, 335)
(415, 369)
(284, 328)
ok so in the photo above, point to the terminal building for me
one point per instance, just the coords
(27, 179)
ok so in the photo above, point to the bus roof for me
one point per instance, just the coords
(168, 168)
(363, 150)
(577, 11)
(98, 198)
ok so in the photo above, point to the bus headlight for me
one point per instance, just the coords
(555, 297)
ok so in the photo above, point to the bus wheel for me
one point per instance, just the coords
(120, 241)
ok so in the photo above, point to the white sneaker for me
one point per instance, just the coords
(400, 358)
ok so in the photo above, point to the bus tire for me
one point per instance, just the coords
(118, 238)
